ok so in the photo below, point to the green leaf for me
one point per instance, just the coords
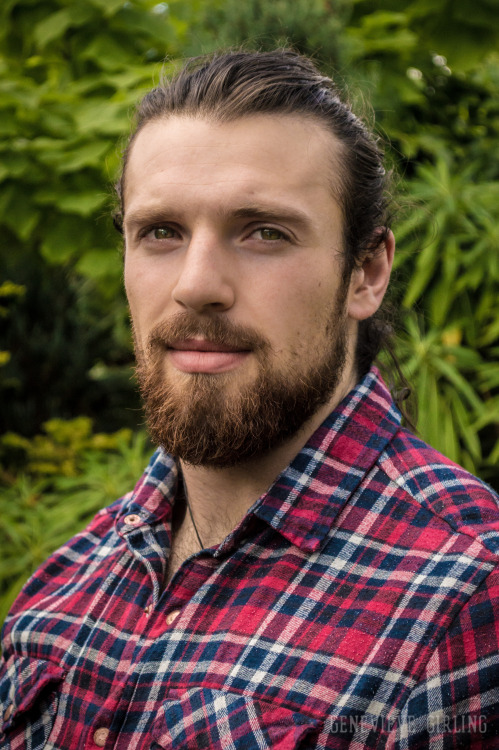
(459, 382)
(52, 27)
(16, 164)
(19, 214)
(4, 172)
(425, 267)
(85, 155)
(108, 7)
(83, 203)
(56, 25)
(101, 264)
(447, 437)
(104, 118)
(467, 432)
(108, 52)
(430, 406)
(65, 238)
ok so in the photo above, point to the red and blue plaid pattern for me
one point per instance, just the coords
(355, 606)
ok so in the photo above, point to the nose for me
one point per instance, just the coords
(204, 281)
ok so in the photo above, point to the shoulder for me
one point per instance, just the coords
(80, 553)
(467, 504)
(94, 548)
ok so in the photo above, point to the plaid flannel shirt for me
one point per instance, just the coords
(356, 605)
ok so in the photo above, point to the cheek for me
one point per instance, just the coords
(300, 315)
(146, 293)
(132, 278)
(133, 296)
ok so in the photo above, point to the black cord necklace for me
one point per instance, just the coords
(191, 516)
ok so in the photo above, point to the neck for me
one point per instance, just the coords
(220, 498)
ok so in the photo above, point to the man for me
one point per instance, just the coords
(294, 569)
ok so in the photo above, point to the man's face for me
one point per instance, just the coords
(233, 271)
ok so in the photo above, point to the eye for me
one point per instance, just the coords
(163, 233)
(270, 234)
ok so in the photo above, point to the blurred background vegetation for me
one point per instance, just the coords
(71, 437)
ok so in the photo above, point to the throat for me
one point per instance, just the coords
(186, 537)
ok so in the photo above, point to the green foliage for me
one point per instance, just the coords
(71, 475)
(452, 387)
(60, 449)
(57, 333)
(69, 75)
(311, 26)
(8, 291)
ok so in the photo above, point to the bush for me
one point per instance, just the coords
(69, 75)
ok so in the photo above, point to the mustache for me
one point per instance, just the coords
(186, 325)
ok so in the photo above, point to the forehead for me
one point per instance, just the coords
(260, 155)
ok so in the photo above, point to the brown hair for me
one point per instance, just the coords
(234, 84)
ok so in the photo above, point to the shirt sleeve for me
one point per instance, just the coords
(455, 703)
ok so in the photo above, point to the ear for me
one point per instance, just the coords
(369, 281)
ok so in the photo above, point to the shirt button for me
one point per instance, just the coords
(132, 519)
(8, 713)
(100, 736)
(172, 616)
(147, 610)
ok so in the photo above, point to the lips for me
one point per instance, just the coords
(202, 345)
(203, 356)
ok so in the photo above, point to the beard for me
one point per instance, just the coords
(209, 419)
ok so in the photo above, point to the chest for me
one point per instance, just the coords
(264, 637)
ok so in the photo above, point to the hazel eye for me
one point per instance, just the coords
(163, 233)
(268, 233)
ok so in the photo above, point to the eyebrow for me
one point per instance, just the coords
(144, 216)
(257, 212)
(270, 213)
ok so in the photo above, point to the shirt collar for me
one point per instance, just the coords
(306, 498)
(153, 496)
(308, 495)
